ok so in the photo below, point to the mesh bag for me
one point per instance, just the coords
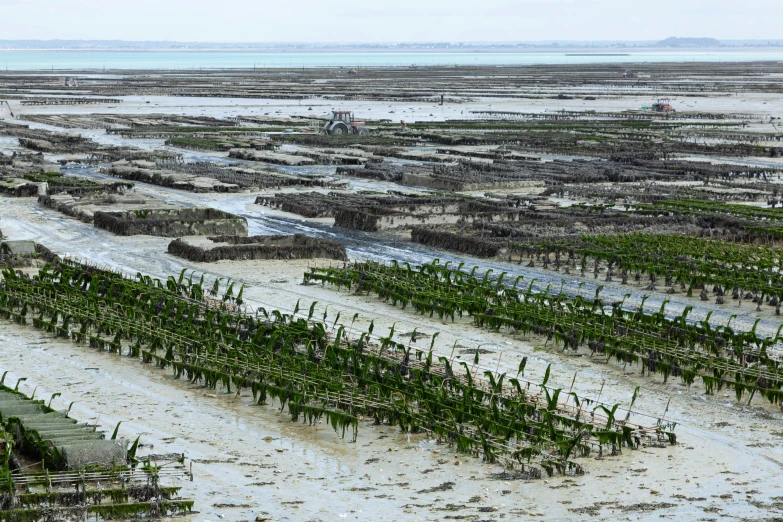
(59, 440)
(48, 431)
(5, 403)
(19, 409)
(104, 453)
(41, 418)
(55, 426)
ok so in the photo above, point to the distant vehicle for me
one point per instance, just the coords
(342, 122)
(353, 71)
(629, 74)
(663, 105)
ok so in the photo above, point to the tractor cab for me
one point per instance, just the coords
(343, 116)
(342, 122)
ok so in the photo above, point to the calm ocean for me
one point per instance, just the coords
(99, 60)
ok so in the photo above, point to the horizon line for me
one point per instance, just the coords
(401, 42)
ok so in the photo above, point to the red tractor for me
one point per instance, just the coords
(663, 105)
(342, 122)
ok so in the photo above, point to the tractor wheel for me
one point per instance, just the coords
(363, 131)
(339, 128)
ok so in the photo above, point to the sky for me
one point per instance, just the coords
(388, 21)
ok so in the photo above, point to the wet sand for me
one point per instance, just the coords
(250, 461)
(726, 448)
(760, 103)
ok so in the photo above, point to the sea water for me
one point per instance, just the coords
(21, 60)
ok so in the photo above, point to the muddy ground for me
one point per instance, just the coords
(251, 463)
(250, 459)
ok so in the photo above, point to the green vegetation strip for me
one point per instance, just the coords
(699, 207)
(671, 258)
(105, 511)
(58, 181)
(96, 496)
(319, 375)
(668, 346)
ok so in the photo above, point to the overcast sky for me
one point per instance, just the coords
(388, 21)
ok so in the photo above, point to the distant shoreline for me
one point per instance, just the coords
(568, 51)
(215, 59)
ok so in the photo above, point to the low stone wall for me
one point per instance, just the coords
(367, 219)
(259, 248)
(66, 205)
(172, 223)
(46, 254)
(18, 188)
(166, 178)
(25, 253)
(452, 185)
(425, 180)
(454, 242)
(375, 218)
